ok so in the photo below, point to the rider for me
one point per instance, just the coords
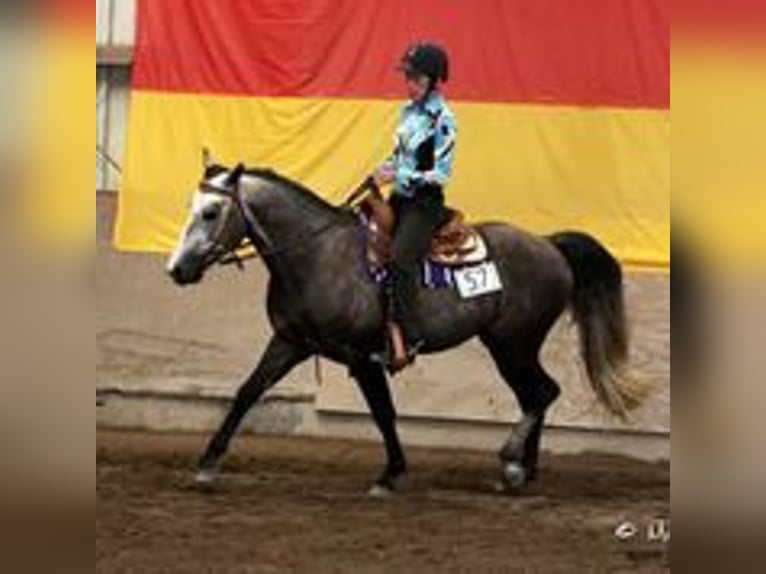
(419, 168)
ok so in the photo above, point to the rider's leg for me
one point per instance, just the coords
(416, 224)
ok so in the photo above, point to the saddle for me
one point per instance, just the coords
(454, 244)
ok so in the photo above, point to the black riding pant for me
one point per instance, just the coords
(417, 219)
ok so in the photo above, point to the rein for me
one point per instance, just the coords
(254, 234)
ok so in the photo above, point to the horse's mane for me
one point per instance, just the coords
(271, 176)
(307, 194)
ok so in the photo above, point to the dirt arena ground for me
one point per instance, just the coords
(300, 505)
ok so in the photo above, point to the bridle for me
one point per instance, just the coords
(255, 236)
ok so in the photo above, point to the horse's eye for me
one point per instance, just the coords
(209, 214)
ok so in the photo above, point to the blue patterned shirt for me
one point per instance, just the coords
(425, 145)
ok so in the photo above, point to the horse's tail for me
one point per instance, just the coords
(599, 310)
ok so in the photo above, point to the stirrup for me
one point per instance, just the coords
(398, 354)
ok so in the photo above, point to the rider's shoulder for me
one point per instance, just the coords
(437, 105)
(446, 116)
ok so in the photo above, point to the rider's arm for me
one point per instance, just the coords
(386, 171)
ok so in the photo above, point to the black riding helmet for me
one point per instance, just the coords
(426, 59)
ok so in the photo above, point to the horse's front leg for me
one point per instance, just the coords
(374, 386)
(278, 359)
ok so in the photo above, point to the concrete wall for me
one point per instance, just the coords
(115, 36)
(112, 105)
(170, 358)
(115, 22)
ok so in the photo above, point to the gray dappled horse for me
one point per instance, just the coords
(321, 301)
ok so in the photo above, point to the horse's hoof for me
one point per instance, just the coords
(381, 491)
(514, 476)
(206, 477)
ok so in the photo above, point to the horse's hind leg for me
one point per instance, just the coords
(535, 391)
(278, 359)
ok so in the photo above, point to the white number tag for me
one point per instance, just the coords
(479, 280)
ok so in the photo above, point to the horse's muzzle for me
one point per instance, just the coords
(182, 276)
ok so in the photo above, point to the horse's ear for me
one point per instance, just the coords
(235, 175)
(207, 158)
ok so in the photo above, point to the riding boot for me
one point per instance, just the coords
(417, 220)
(402, 351)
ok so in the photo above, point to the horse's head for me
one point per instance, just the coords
(215, 226)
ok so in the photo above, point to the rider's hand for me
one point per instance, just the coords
(384, 175)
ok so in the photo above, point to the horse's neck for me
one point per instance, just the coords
(294, 223)
(284, 212)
